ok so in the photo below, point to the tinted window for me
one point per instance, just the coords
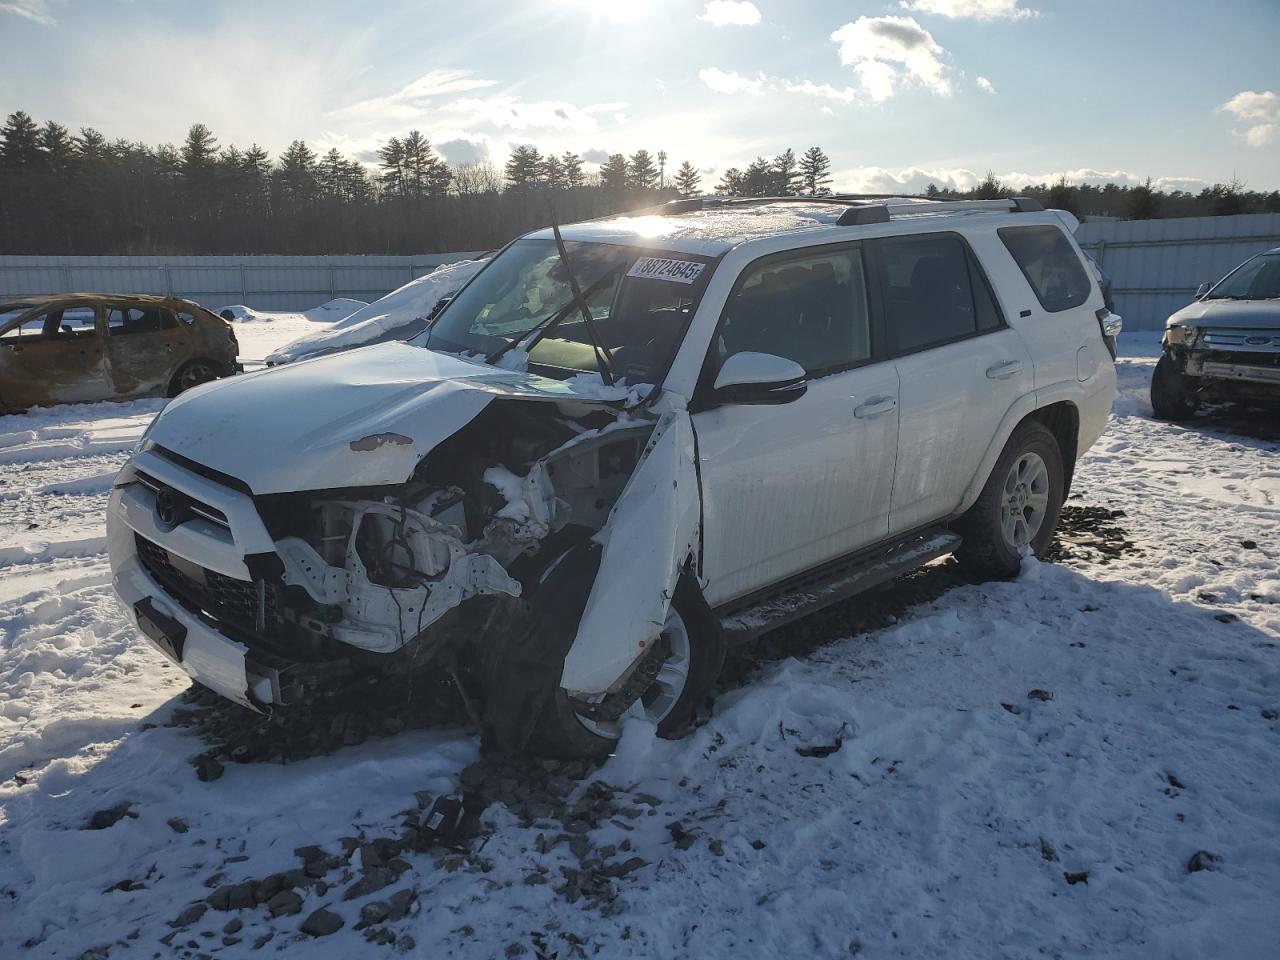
(1049, 264)
(811, 309)
(928, 293)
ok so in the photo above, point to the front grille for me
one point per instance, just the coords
(185, 504)
(1251, 342)
(201, 590)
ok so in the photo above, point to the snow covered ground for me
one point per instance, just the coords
(1010, 769)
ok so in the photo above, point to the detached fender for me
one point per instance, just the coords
(652, 531)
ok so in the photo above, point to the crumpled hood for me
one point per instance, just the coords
(364, 417)
(1243, 314)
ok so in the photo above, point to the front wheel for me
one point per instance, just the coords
(1019, 505)
(1172, 393)
(691, 657)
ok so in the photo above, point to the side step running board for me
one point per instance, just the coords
(803, 595)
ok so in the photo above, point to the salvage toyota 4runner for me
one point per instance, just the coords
(620, 447)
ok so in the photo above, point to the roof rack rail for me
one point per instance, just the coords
(861, 208)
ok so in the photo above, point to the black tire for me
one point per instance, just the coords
(987, 550)
(560, 734)
(1172, 391)
(192, 374)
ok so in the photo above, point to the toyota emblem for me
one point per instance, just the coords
(167, 507)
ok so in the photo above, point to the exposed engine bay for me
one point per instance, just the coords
(483, 515)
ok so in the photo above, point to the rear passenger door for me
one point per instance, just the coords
(960, 369)
(790, 486)
(144, 342)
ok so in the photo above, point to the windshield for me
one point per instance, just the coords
(1256, 279)
(640, 302)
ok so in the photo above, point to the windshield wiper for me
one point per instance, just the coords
(545, 325)
(604, 361)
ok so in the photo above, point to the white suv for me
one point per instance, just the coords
(619, 447)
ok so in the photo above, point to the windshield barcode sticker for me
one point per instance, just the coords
(659, 268)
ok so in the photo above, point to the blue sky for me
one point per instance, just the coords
(898, 92)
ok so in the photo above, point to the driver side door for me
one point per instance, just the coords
(788, 487)
(52, 357)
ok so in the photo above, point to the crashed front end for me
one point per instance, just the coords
(1227, 363)
(267, 598)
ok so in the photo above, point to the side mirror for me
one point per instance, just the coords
(1202, 289)
(759, 378)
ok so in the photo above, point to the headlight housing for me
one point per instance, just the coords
(1181, 335)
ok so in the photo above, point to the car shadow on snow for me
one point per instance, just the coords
(134, 848)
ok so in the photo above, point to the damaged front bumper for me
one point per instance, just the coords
(256, 610)
(1232, 362)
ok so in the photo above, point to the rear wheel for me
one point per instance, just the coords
(192, 375)
(691, 657)
(1172, 391)
(1019, 505)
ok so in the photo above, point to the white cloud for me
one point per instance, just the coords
(1260, 110)
(911, 180)
(40, 11)
(971, 9)
(824, 90)
(412, 99)
(985, 85)
(736, 13)
(886, 51)
(516, 114)
(722, 82)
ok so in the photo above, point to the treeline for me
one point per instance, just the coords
(1142, 202)
(64, 193)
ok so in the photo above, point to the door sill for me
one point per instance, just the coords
(805, 593)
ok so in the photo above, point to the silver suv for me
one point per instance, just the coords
(1226, 345)
(621, 446)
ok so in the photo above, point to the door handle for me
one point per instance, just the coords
(874, 407)
(1003, 371)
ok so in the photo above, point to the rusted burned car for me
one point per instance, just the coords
(79, 347)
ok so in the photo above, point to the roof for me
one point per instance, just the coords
(90, 298)
(710, 226)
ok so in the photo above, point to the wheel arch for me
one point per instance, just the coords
(1062, 417)
(219, 369)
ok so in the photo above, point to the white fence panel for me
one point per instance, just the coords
(266, 283)
(1156, 265)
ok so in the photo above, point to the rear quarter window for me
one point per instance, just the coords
(1048, 261)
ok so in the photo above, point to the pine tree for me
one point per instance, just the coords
(784, 174)
(990, 189)
(553, 172)
(56, 145)
(423, 173)
(296, 176)
(524, 167)
(641, 171)
(391, 163)
(730, 183)
(90, 144)
(572, 164)
(199, 151)
(20, 141)
(815, 172)
(687, 179)
(1062, 196)
(758, 178)
(330, 175)
(614, 174)
(1143, 203)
